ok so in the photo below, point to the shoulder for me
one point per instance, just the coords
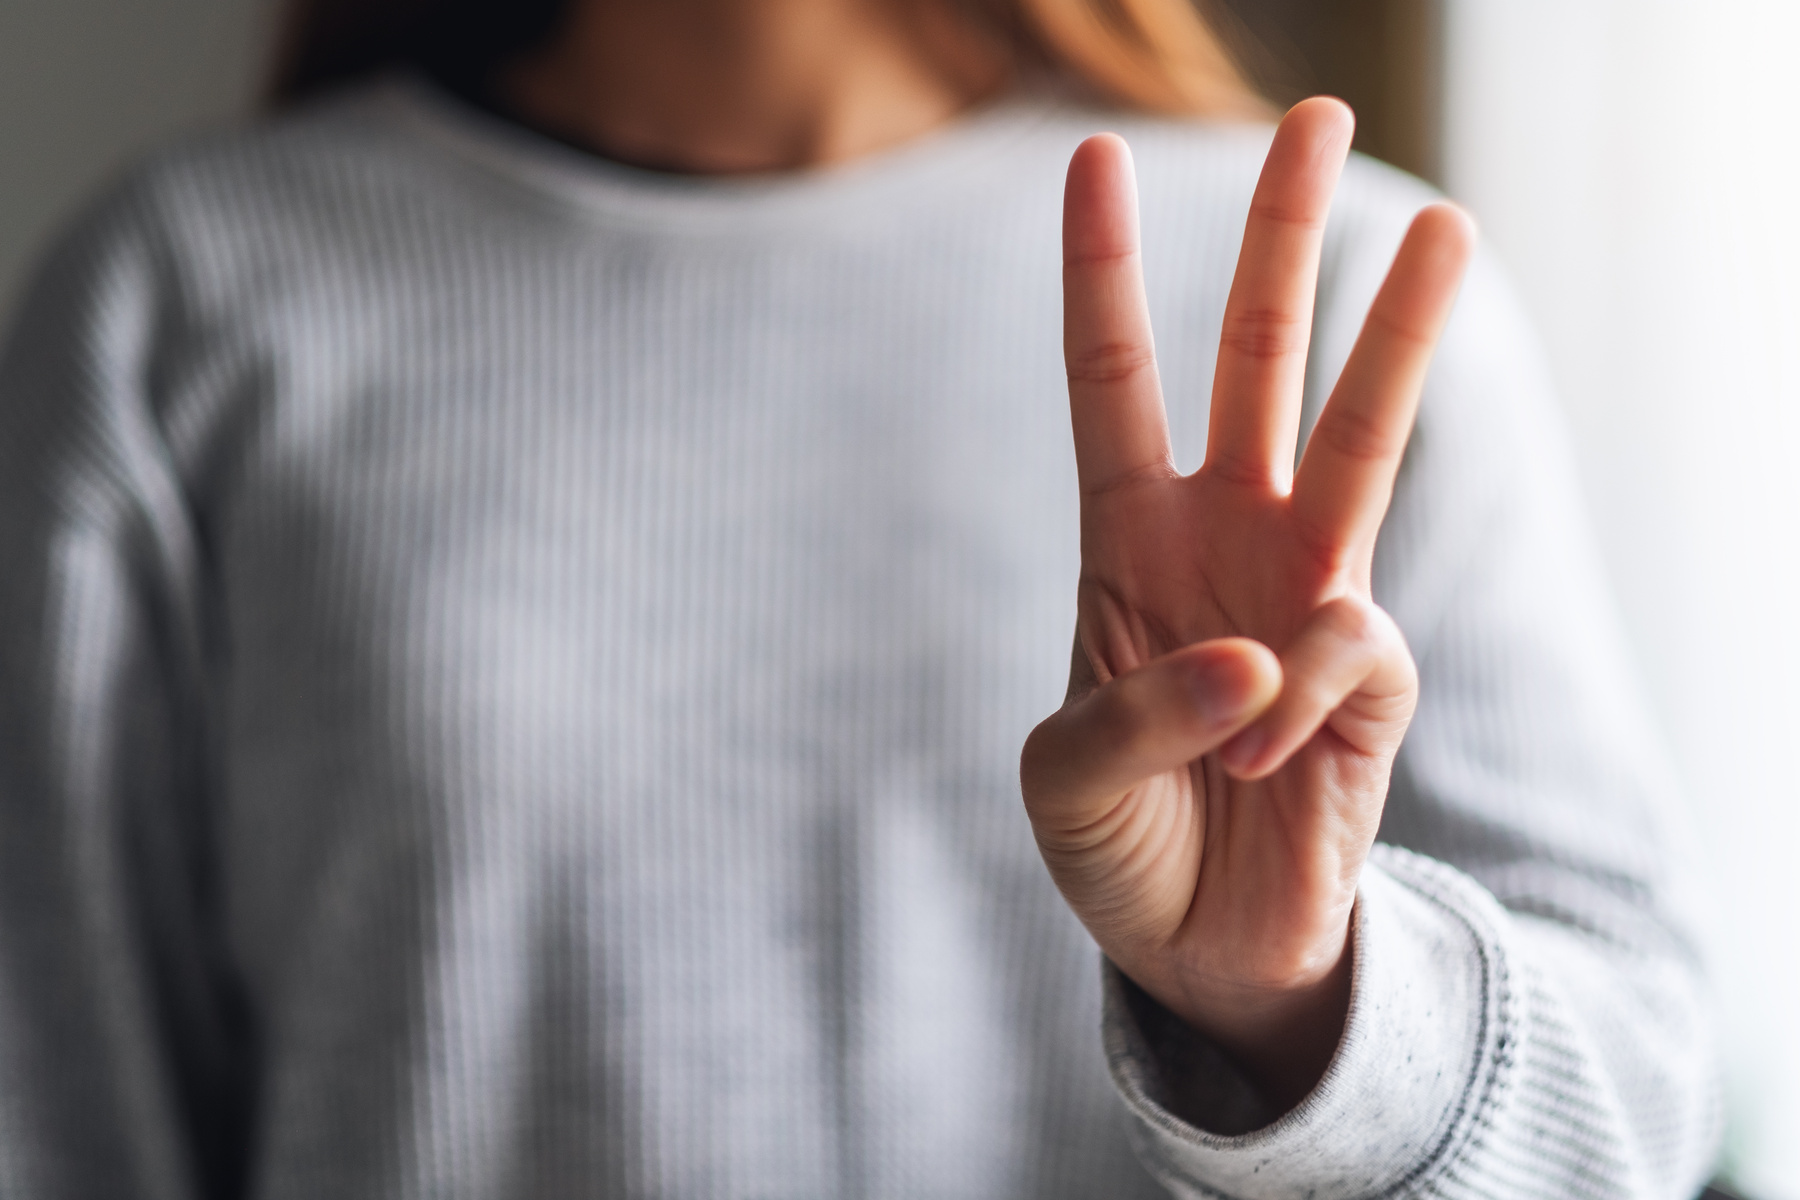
(214, 251)
(228, 217)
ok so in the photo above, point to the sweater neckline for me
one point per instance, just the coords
(962, 159)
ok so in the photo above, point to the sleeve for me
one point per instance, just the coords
(1529, 1015)
(118, 1040)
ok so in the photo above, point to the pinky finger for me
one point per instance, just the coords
(1349, 657)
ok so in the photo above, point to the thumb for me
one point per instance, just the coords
(1163, 715)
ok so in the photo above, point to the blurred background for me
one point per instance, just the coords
(1634, 163)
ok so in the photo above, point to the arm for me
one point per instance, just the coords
(118, 1072)
(1467, 1046)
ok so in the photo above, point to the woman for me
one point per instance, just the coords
(530, 573)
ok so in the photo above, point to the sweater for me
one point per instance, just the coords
(512, 671)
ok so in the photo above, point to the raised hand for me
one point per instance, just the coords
(1208, 793)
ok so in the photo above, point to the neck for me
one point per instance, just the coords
(735, 86)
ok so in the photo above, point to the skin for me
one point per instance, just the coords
(724, 87)
(1207, 795)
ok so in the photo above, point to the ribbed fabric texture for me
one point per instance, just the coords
(512, 672)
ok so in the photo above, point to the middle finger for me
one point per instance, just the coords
(1268, 316)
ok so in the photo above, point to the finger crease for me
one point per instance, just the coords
(1111, 363)
(1160, 471)
(1358, 436)
(1274, 213)
(1101, 259)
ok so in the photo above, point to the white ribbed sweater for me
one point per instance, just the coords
(512, 672)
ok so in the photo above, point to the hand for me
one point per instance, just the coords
(1208, 793)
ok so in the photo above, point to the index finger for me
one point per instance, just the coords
(1115, 399)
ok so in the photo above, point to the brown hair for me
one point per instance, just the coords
(1159, 56)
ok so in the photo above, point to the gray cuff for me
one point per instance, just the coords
(1432, 1013)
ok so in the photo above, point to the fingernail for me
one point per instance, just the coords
(1221, 690)
(1242, 751)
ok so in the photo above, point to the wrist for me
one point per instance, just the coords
(1283, 1037)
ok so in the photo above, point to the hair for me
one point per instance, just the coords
(1159, 56)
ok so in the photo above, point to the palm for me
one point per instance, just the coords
(1257, 869)
(1206, 798)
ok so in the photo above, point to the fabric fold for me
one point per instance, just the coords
(1423, 1056)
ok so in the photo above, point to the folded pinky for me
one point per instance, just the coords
(1349, 661)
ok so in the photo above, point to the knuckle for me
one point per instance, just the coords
(1370, 635)
(1110, 362)
(1358, 435)
(1399, 329)
(1357, 622)
(1277, 213)
(1263, 333)
(1073, 263)
(1130, 477)
(1239, 469)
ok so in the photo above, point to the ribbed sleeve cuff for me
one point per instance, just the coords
(1424, 1051)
